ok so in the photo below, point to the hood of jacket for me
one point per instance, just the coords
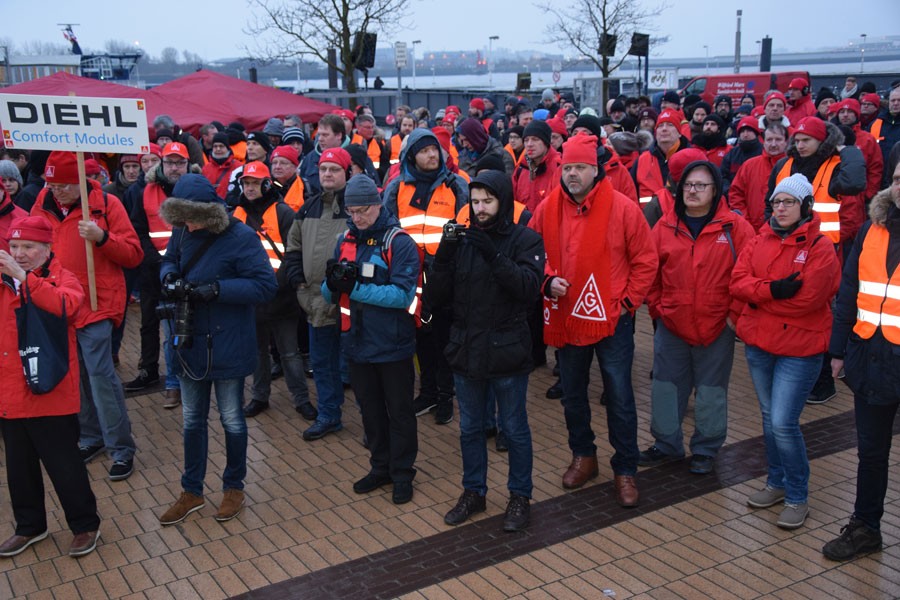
(717, 185)
(498, 184)
(201, 206)
(880, 206)
(407, 159)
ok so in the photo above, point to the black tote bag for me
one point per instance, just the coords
(43, 344)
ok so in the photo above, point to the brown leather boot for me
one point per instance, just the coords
(580, 471)
(626, 491)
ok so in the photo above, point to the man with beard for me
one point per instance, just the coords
(747, 146)
(615, 275)
(712, 139)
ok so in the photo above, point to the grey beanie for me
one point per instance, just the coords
(9, 170)
(361, 191)
(274, 126)
(797, 185)
(548, 94)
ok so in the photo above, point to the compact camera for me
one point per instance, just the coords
(454, 231)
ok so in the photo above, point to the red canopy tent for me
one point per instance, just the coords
(229, 99)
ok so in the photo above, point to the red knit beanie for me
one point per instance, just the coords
(581, 149)
(814, 127)
(851, 104)
(287, 153)
(32, 229)
(62, 167)
(338, 156)
(775, 96)
(669, 116)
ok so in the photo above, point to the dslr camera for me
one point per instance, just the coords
(178, 309)
(454, 231)
(342, 270)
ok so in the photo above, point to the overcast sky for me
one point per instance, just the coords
(215, 30)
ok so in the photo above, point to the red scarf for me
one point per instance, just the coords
(585, 309)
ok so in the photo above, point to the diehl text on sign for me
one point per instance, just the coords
(74, 123)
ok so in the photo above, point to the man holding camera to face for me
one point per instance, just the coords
(214, 273)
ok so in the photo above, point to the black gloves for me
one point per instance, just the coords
(482, 242)
(340, 277)
(170, 278)
(446, 251)
(174, 287)
(782, 289)
(204, 293)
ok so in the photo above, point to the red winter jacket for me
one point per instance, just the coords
(749, 187)
(874, 162)
(218, 175)
(532, 192)
(620, 178)
(50, 287)
(803, 108)
(632, 254)
(690, 293)
(121, 249)
(798, 326)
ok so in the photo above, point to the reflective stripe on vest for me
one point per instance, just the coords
(159, 230)
(348, 252)
(426, 228)
(878, 298)
(827, 206)
(270, 227)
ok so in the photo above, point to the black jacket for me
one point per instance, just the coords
(489, 335)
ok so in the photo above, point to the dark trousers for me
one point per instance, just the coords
(435, 376)
(385, 395)
(151, 290)
(52, 441)
(874, 433)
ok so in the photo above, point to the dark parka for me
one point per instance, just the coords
(224, 329)
(489, 336)
(872, 365)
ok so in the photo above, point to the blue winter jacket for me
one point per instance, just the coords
(381, 328)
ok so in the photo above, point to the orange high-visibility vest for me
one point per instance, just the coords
(396, 140)
(160, 231)
(426, 227)
(270, 228)
(348, 252)
(293, 197)
(827, 206)
(878, 298)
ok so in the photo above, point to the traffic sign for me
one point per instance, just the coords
(400, 59)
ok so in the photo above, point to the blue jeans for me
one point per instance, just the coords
(284, 332)
(615, 355)
(172, 382)
(103, 418)
(195, 399)
(874, 433)
(509, 394)
(325, 360)
(678, 370)
(782, 385)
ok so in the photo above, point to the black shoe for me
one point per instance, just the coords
(403, 492)
(423, 404)
(308, 411)
(89, 453)
(822, 392)
(856, 538)
(653, 456)
(701, 464)
(556, 391)
(277, 371)
(143, 380)
(443, 414)
(370, 483)
(254, 407)
(556, 369)
(518, 513)
(318, 430)
(121, 470)
(501, 443)
(470, 503)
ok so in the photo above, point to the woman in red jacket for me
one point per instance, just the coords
(787, 276)
(41, 428)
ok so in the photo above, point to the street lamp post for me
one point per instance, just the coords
(490, 59)
(413, 56)
(705, 47)
(862, 54)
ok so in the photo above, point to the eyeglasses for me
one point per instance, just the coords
(175, 163)
(700, 187)
(787, 202)
(360, 211)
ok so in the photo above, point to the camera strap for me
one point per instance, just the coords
(207, 243)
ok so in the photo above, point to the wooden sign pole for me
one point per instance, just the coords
(86, 216)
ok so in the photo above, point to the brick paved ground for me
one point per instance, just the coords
(305, 534)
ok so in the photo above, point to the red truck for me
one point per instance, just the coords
(736, 85)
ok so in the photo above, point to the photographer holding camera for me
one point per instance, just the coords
(374, 280)
(489, 275)
(214, 272)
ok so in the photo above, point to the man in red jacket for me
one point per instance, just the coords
(600, 264)
(800, 103)
(536, 177)
(748, 191)
(104, 418)
(693, 347)
(41, 429)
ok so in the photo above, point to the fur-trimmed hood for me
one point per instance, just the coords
(881, 206)
(194, 200)
(833, 138)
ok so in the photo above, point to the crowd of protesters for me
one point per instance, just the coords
(472, 240)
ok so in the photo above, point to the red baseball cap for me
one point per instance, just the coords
(255, 170)
(175, 148)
